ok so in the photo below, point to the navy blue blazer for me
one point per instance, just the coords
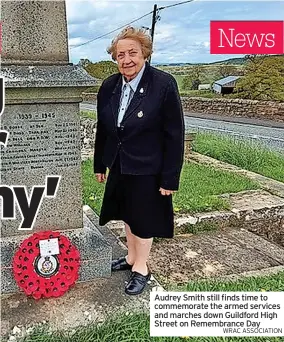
(152, 137)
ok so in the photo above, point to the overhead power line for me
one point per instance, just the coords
(154, 19)
(180, 3)
(106, 34)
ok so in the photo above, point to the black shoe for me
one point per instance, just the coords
(137, 283)
(120, 265)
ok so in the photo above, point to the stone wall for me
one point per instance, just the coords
(267, 110)
(88, 131)
(89, 97)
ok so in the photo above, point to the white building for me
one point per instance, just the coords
(206, 86)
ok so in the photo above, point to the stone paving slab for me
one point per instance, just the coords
(213, 254)
(84, 303)
(254, 200)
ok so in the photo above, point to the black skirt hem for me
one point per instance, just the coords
(105, 221)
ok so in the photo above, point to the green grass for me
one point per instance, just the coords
(92, 190)
(195, 93)
(136, 327)
(199, 93)
(270, 283)
(198, 191)
(198, 228)
(131, 328)
(249, 156)
(200, 185)
(179, 79)
(88, 114)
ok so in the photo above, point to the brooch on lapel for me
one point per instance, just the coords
(140, 114)
(141, 91)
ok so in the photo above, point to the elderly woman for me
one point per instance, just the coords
(140, 138)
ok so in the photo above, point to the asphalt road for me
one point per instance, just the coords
(258, 131)
(270, 137)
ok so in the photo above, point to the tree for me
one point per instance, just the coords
(263, 79)
(102, 69)
(192, 81)
(195, 84)
(84, 62)
(186, 83)
(227, 70)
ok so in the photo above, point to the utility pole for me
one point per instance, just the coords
(154, 20)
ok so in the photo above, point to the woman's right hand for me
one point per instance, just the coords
(101, 177)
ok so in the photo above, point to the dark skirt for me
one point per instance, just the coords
(136, 200)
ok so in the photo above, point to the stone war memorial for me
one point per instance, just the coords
(41, 115)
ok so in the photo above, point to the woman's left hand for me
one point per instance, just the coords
(165, 192)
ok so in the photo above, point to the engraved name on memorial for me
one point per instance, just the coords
(44, 140)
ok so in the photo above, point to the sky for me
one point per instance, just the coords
(181, 34)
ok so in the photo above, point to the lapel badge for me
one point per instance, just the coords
(140, 114)
(141, 91)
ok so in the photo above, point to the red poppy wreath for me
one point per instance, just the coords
(46, 276)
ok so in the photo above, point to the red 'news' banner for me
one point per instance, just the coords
(246, 37)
